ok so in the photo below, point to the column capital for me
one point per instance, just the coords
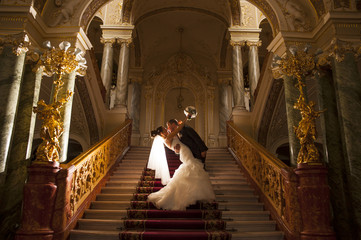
(148, 92)
(108, 40)
(237, 43)
(20, 42)
(254, 43)
(339, 48)
(126, 41)
(225, 81)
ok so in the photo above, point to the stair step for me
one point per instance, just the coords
(117, 190)
(240, 206)
(93, 235)
(120, 183)
(114, 197)
(105, 214)
(251, 226)
(116, 205)
(237, 198)
(271, 235)
(100, 224)
(229, 182)
(246, 215)
(240, 185)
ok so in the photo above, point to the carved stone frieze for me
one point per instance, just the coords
(297, 17)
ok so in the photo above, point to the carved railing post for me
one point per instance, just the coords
(41, 192)
(39, 200)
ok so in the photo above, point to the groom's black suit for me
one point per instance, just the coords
(191, 138)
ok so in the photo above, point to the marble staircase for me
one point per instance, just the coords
(245, 216)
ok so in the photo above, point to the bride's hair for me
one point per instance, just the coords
(156, 132)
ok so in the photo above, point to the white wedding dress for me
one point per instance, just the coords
(189, 184)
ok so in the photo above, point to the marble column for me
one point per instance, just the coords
(211, 141)
(253, 67)
(69, 83)
(122, 76)
(21, 146)
(148, 95)
(135, 106)
(106, 72)
(333, 155)
(224, 106)
(347, 84)
(293, 116)
(11, 71)
(238, 78)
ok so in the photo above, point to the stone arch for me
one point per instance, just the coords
(188, 78)
(274, 11)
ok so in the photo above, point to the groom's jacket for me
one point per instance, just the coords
(190, 137)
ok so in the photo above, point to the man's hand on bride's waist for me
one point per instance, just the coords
(177, 148)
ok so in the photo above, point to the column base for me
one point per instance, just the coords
(222, 140)
(135, 140)
(241, 118)
(115, 117)
(313, 194)
(212, 141)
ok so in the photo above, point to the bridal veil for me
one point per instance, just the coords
(158, 161)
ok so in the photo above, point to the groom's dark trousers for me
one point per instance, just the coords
(190, 137)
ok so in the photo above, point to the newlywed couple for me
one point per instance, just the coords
(190, 182)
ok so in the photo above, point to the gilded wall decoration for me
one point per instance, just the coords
(247, 19)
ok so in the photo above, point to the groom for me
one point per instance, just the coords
(190, 137)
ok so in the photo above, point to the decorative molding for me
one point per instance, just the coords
(236, 12)
(268, 11)
(88, 109)
(89, 12)
(20, 42)
(269, 109)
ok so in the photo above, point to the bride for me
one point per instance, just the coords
(189, 184)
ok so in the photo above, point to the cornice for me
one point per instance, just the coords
(26, 18)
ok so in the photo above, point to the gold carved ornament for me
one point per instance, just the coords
(94, 164)
(263, 168)
(55, 61)
(298, 64)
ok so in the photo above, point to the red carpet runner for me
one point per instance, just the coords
(202, 221)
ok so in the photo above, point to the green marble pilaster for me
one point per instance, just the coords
(347, 84)
(20, 153)
(69, 83)
(11, 71)
(293, 116)
(333, 156)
